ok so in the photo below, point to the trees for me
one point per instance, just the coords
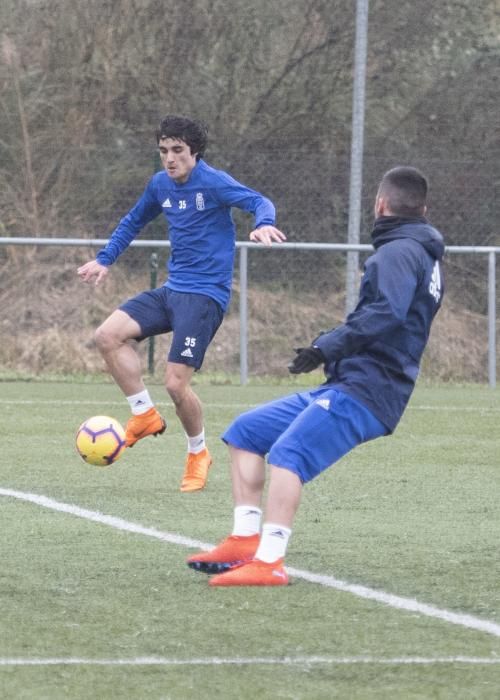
(83, 85)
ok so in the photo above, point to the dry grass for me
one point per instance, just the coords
(48, 319)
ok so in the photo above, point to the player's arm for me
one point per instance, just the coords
(233, 194)
(392, 279)
(145, 210)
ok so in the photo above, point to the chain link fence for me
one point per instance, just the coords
(83, 86)
(309, 183)
(48, 328)
(293, 294)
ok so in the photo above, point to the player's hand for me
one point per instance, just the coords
(92, 271)
(266, 235)
(306, 360)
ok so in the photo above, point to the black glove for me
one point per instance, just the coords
(306, 360)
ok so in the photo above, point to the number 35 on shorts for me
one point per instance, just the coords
(190, 342)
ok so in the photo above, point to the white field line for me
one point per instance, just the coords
(222, 404)
(110, 520)
(393, 601)
(257, 660)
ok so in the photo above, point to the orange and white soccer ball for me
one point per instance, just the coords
(100, 440)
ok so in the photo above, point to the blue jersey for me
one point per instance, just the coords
(375, 355)
(200, 227)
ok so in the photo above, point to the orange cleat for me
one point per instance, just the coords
(138, 427)
(232, 551)
(196, 470)
(254, 573)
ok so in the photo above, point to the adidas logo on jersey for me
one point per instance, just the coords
(167, 203)
(187, 353)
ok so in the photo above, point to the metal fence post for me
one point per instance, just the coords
(153, 274)
(356, 177)
(243, 315)
(492, 360)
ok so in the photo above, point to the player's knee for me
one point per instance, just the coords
(176, 388)
(105, 339)
(177, 382)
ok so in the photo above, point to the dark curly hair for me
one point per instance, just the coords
(193, 133)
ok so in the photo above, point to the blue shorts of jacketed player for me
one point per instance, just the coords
(306, 432)
(193, 318)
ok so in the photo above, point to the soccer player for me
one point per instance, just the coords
(371, 364)
(196, 200)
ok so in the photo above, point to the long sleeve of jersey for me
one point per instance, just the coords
(145, 210)
(233, 194)
(387, 291)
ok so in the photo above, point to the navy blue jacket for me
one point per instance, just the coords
(375, 355)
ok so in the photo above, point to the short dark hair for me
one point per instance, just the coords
(194, 133)
(405, 190)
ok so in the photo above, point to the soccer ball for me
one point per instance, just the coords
(100, 440)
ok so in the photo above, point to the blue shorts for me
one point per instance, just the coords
(193, 318)
(306, 432)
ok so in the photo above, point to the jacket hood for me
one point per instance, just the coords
(392, 228)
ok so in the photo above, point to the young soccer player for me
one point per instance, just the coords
(196, 201)
(371, 364)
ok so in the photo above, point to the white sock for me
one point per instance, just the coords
(246, 521)
(273, 542)
(196, 443)
(140, 403)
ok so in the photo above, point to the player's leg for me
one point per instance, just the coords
(326, 430)
(249, 438)
(113, 339)
(187, 404)
(190, 413)
(264, 565)
(195, 320)
(139, 317)
(248, 477)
